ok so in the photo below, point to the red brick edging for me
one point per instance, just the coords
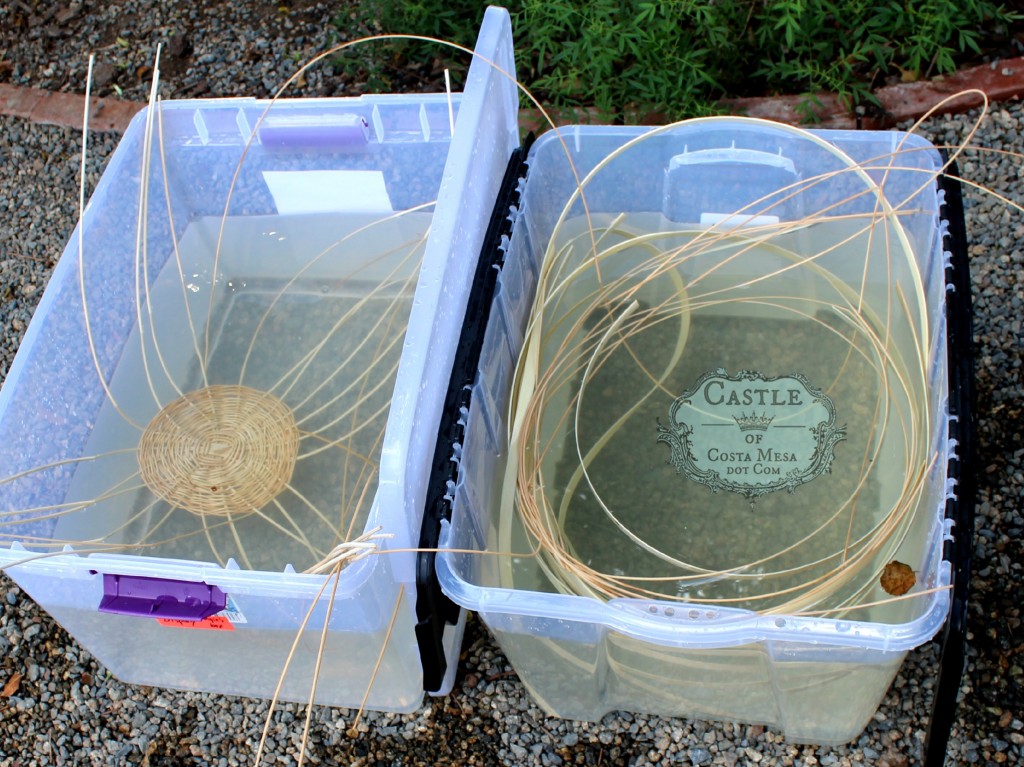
(1000, 81)
(66, 108)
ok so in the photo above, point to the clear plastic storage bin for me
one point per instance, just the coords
(238, 365)
(708, 438)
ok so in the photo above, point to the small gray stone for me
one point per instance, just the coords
(104, 74)
(699, 756)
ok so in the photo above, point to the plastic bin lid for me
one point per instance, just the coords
(486, 135)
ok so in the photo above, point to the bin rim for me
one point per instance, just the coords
(669, 624)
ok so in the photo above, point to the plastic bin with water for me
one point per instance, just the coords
(241, 368)
(739, 333)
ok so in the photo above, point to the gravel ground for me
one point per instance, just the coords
(60, 707)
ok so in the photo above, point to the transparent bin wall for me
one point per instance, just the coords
(242, 651)
(282, 265)
(809, 693)
(817, 678)
(312, 253)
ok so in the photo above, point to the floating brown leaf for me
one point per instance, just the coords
(897, 578)
(12, 685)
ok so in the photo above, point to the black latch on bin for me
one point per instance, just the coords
(434, 610)
(960, 509)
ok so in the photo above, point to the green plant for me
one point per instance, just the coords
(632, 56)
(848, 47)
(679, 57)
(386, 65)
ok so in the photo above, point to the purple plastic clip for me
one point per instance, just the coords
(326, 133)
(160, 598)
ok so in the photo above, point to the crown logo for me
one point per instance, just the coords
(753, 422)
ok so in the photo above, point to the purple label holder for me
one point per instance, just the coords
(160, 598)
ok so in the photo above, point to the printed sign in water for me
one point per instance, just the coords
(752, 434)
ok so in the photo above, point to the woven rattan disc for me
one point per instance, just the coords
(220, 450)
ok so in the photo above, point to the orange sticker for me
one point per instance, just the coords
(214, 622)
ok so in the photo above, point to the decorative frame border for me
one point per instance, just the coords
(677, 437)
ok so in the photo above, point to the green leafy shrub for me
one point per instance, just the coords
(679, 57)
